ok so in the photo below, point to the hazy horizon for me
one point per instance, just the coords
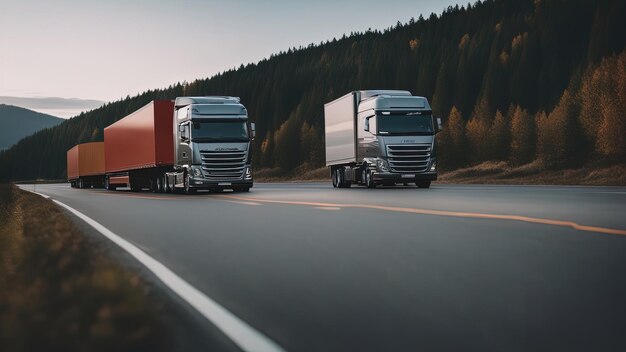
(93, 51)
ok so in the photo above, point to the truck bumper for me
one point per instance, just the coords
(380, 177)
(204, 183)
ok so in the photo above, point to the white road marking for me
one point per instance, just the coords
(240, 332)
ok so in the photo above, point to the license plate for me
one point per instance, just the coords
(408, 176)
(224, 184)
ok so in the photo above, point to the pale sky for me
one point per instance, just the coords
(94, 51)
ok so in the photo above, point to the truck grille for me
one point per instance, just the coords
(408, 158)
(222, 165)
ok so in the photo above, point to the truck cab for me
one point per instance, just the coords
(212, 144)
(393, 139)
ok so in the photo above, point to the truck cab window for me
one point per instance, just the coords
(402, 124)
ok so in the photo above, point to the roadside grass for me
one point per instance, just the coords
(40, 181)
(301, 173)
(59, 292)
(536, 174)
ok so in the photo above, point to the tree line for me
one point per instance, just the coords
(520, 81)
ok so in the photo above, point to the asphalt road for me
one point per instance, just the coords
(452, 268)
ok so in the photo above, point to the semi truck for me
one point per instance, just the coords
(380, 137)
(85, 165)
(185, 145)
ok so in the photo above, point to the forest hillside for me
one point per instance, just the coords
(516, 82)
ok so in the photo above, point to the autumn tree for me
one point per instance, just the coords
(559, 139)
(478, 138)
(287, 145)
(611, 140)
(499, 138)
(312, 146)
(452, 142)
(523, 137)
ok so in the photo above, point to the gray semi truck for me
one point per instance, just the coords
(188, 144)
(380, 137)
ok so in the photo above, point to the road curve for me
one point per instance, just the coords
(455, 267)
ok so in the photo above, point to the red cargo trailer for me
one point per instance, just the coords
(140, 146)
(85, 165)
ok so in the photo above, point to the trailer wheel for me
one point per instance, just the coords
(155, 185)
(335, 177)
(160, 187)
(340, 178)
(166, 184)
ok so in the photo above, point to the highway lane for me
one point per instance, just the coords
(303, 265)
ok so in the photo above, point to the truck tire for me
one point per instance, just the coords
(160, 184)
(166, 185)
(369, 179)
(423, 184)
(187, 187)
(340, 177)
(335, 177)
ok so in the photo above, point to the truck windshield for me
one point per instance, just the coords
(219, 131)
(402, 124)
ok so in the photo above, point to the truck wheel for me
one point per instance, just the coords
(187, 188)
(341, 179)
(423, 184)
(108, 186)
(335, 177)
(156, 185)
(166, 185)
(369, 179)
(160, 184)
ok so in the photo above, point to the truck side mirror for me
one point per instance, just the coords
(184, 132)
(439, 124)
(367, 125)
(253, 129)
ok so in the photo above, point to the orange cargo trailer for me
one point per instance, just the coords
(138, 145)
(85, 165)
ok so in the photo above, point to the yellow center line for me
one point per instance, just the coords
(328, 208)
(243, 202)
(528, 219)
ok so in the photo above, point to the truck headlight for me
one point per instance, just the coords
(433, 166)
(197, 172)
(248, 174)
(382, 165)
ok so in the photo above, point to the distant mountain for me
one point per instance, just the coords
(17, 123)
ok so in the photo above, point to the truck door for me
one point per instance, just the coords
(183, 140)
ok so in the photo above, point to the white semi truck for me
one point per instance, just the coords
(376, 137)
